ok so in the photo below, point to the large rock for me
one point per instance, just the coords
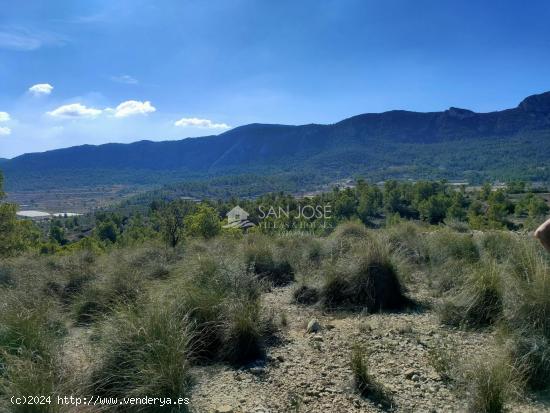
(313, 326)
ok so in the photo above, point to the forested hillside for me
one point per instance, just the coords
(456, 144)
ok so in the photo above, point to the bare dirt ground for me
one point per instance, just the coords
(310, 372)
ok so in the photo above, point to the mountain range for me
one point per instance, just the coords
(452, 144)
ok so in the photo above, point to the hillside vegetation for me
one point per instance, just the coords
(152, 304)
(453, 144)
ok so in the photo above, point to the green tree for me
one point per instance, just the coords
(531, 205)
(498, 208)
(205, 222)
(476, 215)
(171, 218)
(370, 202)
(344, 204)
(57, 233)
(391, 197)
(516, 187)
(457, 209)
(536, 207)
(434, 209)
(15, 236)
(485, 191)
(107, 231)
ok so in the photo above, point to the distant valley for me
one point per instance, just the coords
(257, 158)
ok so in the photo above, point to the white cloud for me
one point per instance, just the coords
(4, 116)
(200, 123)
(74, 111)
(133, 107)
(127, 79)
(41, 89)
(4, 131)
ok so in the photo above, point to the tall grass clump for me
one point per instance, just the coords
(367, 278)
(531, 352)
(444, 245)
(363, 381)
(305, 294)
(119, 278)
(498, 245)
(244, 333)
(491, 384)
(222, 300)
(407, 238)
(30, 337)
(260, 259)
(528, 313)
(145, 353)
(344, 237)
(302, 251)
(350, 230)
(479, 302)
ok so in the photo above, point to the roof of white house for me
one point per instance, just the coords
(238, 210)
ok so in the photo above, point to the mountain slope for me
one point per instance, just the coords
(453, 144)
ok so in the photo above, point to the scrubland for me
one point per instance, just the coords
(152, 320)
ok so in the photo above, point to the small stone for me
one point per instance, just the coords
(409, 373)
(257, 371)
(313, 326)
(415, 377)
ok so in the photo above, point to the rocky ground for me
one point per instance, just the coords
(310, 372)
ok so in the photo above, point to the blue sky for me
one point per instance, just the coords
(120, 71)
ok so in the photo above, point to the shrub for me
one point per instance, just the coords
(445, 245)
(492, 384)
(244, 332)
(145, 353)
(221, 299)
(364, 383)
(529, 303)
(479, 303)
(205, 309)
(73, 287)
(449, 276)
(531, 352)
(367, 281)
(457, 225)
(306, 295)
(406, 238)
(528, 313)
(497, 245)
(350, 229)
(260, 259)
(91, 306)
(25, 375)
(345, 236)
(30, 329)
